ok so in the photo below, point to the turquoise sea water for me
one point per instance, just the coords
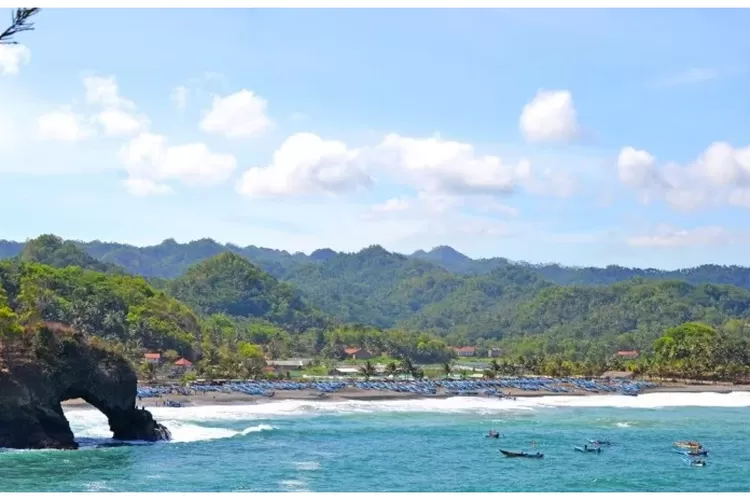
(423, 445)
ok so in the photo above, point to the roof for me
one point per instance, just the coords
(152, 355)
(289, 362)
(617, 374)
(352, 350)
(183, 362)
(465, 349)
(346, 369)
(628, 353)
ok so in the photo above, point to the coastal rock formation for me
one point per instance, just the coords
(40, 370)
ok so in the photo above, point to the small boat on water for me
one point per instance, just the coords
(600, 442)
(688, 444)
(521, 454)
(694, 453)
(694, 462)
(586, 449)
(495, 435)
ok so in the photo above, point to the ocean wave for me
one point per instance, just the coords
(204, 423)
(311, 465)
(92, 429)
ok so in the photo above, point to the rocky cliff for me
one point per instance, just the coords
(42, 369)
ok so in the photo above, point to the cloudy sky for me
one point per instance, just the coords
(581, 137)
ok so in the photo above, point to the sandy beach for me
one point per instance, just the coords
(350, 393)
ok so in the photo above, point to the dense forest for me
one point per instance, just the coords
(212, 302)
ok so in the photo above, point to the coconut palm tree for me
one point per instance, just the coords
(408, 367)
(447, 368)
(368, 370)
(19, 23)
(391, 368)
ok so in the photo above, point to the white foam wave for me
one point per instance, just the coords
(294, 485)
(93, 424)
(200, 423)
(622, 424)
(307, 465)
(257, 428)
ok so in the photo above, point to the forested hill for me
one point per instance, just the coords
(170, 259)
(303, 301)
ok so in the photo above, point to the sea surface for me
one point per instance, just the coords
(407, 446)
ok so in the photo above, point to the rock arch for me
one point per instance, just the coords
(54, 367)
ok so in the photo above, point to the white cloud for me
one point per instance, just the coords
(449, 167)
(64, 126)
(637, 168)
(492, 206)
(104, 91)
(180, 96)
(392, 205)
(720, 175)
(117, 122)
(550, 117)
(150, 157)
(145, 187)
(689, 77)
(669, 236)
(305, 164)
(12, 57)
(242, 114)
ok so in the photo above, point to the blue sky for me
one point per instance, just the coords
(576, 136)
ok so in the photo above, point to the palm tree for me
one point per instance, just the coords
(368, 370)
(495, 368)
(19, 23)
(447, 369)
(408, 367)
(391, 368)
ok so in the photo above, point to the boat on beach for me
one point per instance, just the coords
(521, 454)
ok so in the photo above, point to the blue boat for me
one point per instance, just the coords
(586, 449)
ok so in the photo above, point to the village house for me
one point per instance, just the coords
(357, 353)
(465, 352)
(153, 358)
(182, 365)
(346, 371)
(627, 354)
(494, 352)
(288, 365)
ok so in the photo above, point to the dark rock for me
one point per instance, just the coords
(47, 367)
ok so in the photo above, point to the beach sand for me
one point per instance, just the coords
(350, 393)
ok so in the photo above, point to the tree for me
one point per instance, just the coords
(368, 370)
(447, 369)
(19, 23)
(391, 369)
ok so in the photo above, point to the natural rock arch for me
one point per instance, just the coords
(37, 375)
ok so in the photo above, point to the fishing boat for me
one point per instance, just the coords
(600, 442)
(694, 462)
(521, 454)
(688, 444)
(694, 452)
(586, 449)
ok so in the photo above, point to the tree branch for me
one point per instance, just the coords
(19, 23)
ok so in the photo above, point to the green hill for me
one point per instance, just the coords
(229, 284)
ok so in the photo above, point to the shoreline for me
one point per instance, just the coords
(352, 394)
